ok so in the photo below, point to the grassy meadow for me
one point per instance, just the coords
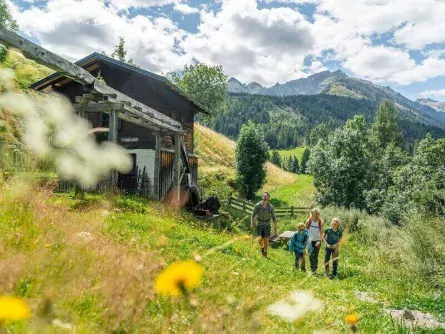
(91, 265)
(297, 151)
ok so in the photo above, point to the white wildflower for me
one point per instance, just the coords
(7, 78)
(63, 325)
(295, 306)
(76, 154)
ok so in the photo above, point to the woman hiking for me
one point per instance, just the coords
(314, 225)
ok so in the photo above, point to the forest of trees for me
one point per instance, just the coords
(369, 168)
(288, 121)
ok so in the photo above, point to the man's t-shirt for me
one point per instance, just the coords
(264, 213)
(332, 236)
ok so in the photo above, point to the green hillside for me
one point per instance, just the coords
(287, 121)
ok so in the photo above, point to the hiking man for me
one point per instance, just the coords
(314, 225)
(264, 211)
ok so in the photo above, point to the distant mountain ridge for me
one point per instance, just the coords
(339, 84)
(436, 105)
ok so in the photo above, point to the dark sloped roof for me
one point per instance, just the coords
(98, 56)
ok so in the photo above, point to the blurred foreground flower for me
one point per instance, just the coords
(351, 319)
(12, 308)
(295, 306)
(178, 278)
(51, 129)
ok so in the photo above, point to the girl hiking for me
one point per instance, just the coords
(314, 225)
(332, 237)
(298, 244)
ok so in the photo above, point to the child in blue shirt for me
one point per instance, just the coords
(298, 243)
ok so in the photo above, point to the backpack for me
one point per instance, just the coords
(305, 237)
(308, 225)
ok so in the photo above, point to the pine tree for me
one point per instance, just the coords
(252, 153)
(295, 165)
(304, 161)
(385, 129)
(276, 159)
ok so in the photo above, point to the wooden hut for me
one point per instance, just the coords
(144, 112)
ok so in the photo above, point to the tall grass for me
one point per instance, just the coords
(106, 285)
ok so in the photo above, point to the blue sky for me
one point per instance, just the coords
(396, 43)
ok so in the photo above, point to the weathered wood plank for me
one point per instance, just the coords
(184, 156)
(112, 137)
(45, 57)
(177, 169)
(89, 106)
(126, 117)
(94, 97)
(157, 165)
(157, 117)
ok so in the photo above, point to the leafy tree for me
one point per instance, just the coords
(321, 131)
(6, 19)
(120, 53)
(383, 170)
(205, 84)
(419, 184)
(8, 22)
(340, 166)
(304, 160)
(276, 159)
(385, 129)
(252, 152)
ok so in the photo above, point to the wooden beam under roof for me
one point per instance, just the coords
(45, 57)
(125, 112)
(77, 73)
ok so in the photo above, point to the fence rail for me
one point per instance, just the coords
(245, 206)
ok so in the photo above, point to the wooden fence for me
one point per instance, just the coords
(279, 212)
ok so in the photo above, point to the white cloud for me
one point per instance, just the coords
(185, 9)
(348, 27)
(378, 63)
(125, 4)
(74, 29)
(252, 44)
(433, 93)
(266, 46)
(298, 2)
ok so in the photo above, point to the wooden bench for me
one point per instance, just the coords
(283, 237)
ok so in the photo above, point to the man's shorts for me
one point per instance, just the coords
(263, 230)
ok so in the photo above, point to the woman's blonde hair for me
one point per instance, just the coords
(316, 210)
(336, 220)
(300, 224)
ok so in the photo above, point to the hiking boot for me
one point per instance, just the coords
(265, 253)
(262, 251)
(326, 274)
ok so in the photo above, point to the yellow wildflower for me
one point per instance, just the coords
(178, 277)
(12, 308)
(351, 319)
